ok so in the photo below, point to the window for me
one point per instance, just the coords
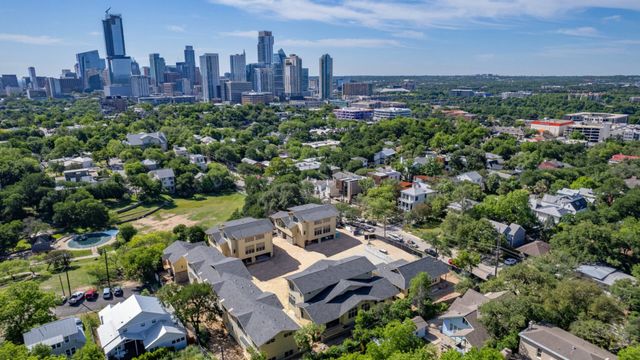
(259, 236)
(538, 353)
(317, 231)
(66, 339)
(260, 247)
(292, 300)
(317, 222)
(142, 324)
(326, 229)
(153, 321)
(366, 307)
(352, 313)
(249, 250)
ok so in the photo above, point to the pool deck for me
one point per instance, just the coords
(63, 244)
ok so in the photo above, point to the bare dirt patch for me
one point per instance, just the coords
(162, 222)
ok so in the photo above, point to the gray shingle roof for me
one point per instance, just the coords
(162, 173)
(327, 272)
(138, 139)
(312, 212)
(52, 333)
(401, 273)
(563, 344)
(242, 228)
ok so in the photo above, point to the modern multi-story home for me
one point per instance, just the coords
(331, 292)
(199, 160)
(145, 140)
(401, 272)
(63, 336)
(418, 193)
(554, 207)
(136, 325)
(383, 155)
(545, 342)
(461, 323)
(247, 239)
(166, 177)
(306, 224)
(384, 173)
(255, 319)
(513, 233)
(347, 185)
(78, 162)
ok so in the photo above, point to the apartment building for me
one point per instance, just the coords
(306, 224)
(247, 239)
(593, 132)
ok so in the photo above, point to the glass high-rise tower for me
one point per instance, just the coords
(210, 70)
(190, 63)
(326, 76)
(118, 61)
(265, 47)
(238, 65)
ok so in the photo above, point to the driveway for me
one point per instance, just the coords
(86, 306)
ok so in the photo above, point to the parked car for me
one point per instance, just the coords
(510, 261)
(76, 298)
(431, 252)
(384, 251)
(106, 293)
(395, 237)
(117, 291)
(91, 295)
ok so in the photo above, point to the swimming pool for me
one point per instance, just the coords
(91, 239)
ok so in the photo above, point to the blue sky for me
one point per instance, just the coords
(365, 37)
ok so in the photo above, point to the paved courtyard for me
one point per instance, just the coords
(289, 259)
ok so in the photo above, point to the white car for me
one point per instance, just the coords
(395, 237)
(76, 297)
(510, 261)
(384, 251)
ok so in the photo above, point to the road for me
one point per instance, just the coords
(66, 310)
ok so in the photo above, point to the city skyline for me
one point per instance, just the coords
(571, 38)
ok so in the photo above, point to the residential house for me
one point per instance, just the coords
(421, 326)
(554, 207)
(384, 155)
(418, 193)
(493, 161)
(145, 140)
(306, 224)
(330, 292)
(534, 248)
(602, 274)
(513, 233)
(78, 162)
(384, 173)
(63, 336)
(462, 206)
(115, 164)
(588, 194)
(199, 160)
(347, 185)
(308, 164)
(552, 165)
(166, 177)
(150, 164)
(180, 151)
(323, 189)
(619, 158)
(247, 239)
(255, 319)
(461, 323)
(81, 175)
(364, 161)
(401, 272)
(546, 342)
(137, 325)
(471, 176)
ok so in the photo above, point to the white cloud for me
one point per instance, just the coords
(408, 34)
(612, 18)
(340, 43)
(176, 28)
(253, 34)
(29, 39)
(585, 31)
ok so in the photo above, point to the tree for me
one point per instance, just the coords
(366, 184)
(307, 336)
(568, 300)
(588, 242)
(58, 259)
(90, 351)
(466, 260)
(193, 303)
(396, 337)
(419, 290)
(629, 353)
(507, 315)
(380, 203)
(24, 306)
(438, 243)
(127, 232)
(510, 208)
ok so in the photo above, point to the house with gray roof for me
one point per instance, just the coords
(546, 342)
(401, 272)
(331, 292)
(144, 140)
(602, 274)
(247, 239)
(166, 177)
(306, 224)
(471, 176)
(461, 323)
(254, 318)
(63, 336)
(551, 208)
(513, 233)
(383, 156)
(418, 193)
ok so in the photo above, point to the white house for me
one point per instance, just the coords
(166, 177)
(199, 160)
(137, 325)
(418, 193)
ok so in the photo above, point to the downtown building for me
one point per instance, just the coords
(119, 64)
(293, 76)
(326, 76)
(210, 70)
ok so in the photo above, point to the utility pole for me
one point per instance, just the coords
(66, 270)
(62, 286)
(106, 265)
(495, 271)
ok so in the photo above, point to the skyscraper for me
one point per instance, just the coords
(278, 72)
(265, 47)
(33, 78)
(139, 86)
(90, 65)
(326, 76)
(190, 63)
(264, 80)
(210, 69)
(117, 59)
(135, 68)
(238, 63)
(305, 81)
(157, 68)
(293, 75)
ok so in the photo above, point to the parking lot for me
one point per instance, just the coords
(86, 306)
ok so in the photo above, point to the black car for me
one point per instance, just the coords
(431, 252)
(117, 291)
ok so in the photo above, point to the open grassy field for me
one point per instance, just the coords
(205, 211)
(78, 277)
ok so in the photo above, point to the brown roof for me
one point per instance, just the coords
(535, 248)
(563, 344)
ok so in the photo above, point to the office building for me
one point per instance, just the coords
(593, 132)
(263, 80)
(462, 93)
(305, 80)
(190, 63)
(33, 78)
(234, 90)
(293, 75)
(135, 68)
(278, 72)
(10, 80)
(326, 76)
(598, 117)
(265, 47)
(157, 67)
(119, 63)
(139, 86)
(353, 114)
(256, 98)
(238, 63)
(390, 113)
(210, 69)
(89, 64)
(114, 36)
(553, 127)
(357, 89)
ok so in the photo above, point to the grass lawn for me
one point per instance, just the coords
(78, 277)
(206, 210)
(431, 227)
(79, 253)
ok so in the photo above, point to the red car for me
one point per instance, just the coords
(91, 295)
